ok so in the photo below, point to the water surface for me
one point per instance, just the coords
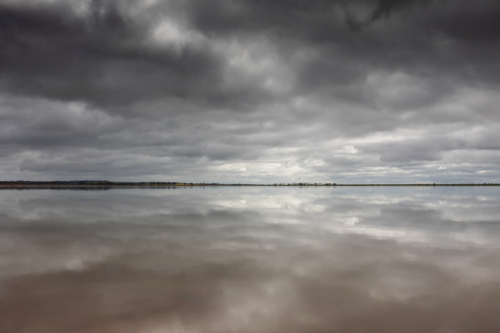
(250, 259)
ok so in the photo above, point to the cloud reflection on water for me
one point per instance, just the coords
(250, 260)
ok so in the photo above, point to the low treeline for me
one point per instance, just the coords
(106, 183)
(82, 183)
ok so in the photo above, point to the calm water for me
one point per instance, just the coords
(250, 260)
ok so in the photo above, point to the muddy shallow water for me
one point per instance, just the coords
(250, 260)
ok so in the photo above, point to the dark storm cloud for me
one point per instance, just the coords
(210, 87)
(98, 59)
(102, 58)
(401, 33)
(382, 9)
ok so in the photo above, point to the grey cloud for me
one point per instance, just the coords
(409, 153)
(101, 60)
(385, 7)
(410, 150)
(187, 87)
(413, 45)
(381, 9)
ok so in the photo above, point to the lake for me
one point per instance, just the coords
(251, 259)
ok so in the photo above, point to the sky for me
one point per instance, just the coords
(254, 91)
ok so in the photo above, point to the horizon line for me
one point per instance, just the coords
(106, 183)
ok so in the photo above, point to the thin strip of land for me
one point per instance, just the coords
(97, 184)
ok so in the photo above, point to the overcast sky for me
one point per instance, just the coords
(250, 90)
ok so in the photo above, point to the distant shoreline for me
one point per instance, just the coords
(109, 185)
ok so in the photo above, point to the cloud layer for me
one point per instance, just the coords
(254, 91)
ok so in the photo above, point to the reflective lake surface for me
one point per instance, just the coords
(251, 259)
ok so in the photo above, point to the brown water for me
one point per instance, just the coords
(250, 260)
